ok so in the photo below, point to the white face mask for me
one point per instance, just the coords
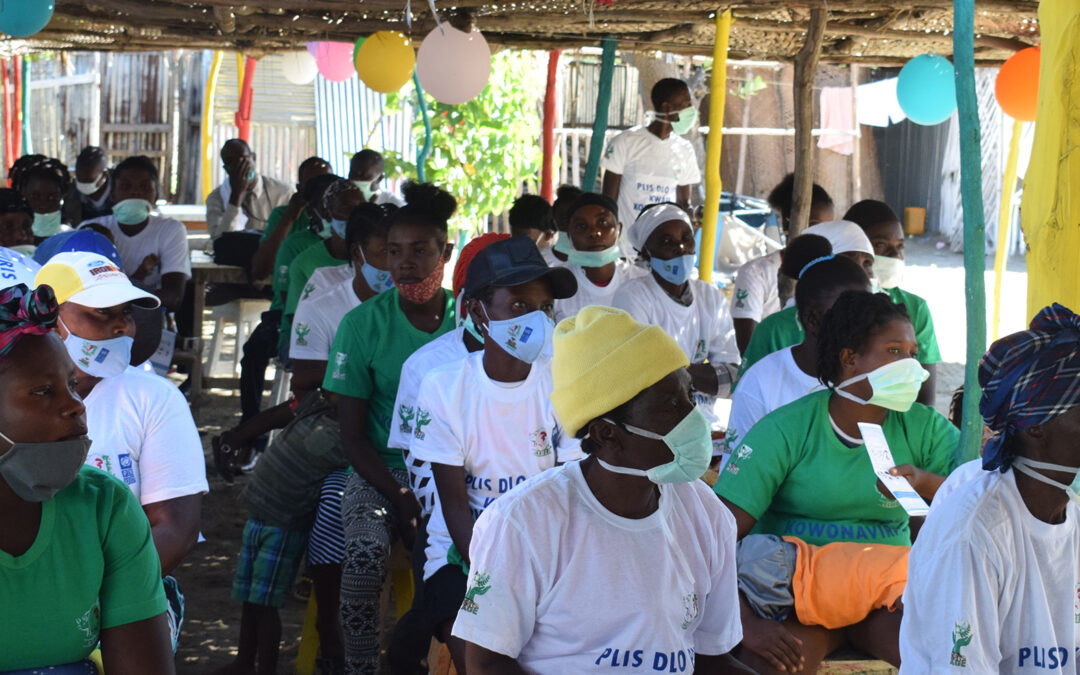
(1028, 466)
(99, 358)
(888, 272)
(369, 188)
(90, 188)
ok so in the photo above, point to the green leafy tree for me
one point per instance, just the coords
(482, 150)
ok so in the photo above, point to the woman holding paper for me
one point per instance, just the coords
(803, 472)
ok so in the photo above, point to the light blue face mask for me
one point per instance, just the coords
(562, 244)
(464, 319)
(367, 187)
(593, 258)
(526, 338)
(132, 211)
(46, 224)
(675, 271)
(321, 227)
(690, 442)
(99, 358)
(377, 280)
(337, 226)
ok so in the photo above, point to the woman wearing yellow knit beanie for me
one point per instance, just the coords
(624, 559)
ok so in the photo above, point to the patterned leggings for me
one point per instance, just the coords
(370, 528)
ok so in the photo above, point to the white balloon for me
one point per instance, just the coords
(299, 67)
(453, 66)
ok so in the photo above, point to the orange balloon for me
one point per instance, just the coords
(1017, 86)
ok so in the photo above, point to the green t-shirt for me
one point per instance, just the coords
(272, 222)
(370, 346)
(92, 566)
(793, 474)
(310, 259)
(782, 329)
(294, 244)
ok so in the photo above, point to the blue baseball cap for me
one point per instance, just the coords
(77, 241)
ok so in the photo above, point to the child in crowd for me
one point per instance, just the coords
(154, 249)
(792, 372)
(43, 181)
(369, 349)
(413, 632)
(595, 257)
(16, 222)
(886, 235)
(565, 197)
(756, 289)
(693, 312)
(92, 196)
(531, 216)
(490, 422)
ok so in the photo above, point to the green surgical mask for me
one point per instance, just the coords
(690, 441)
(895, 385)
(685, 121)
(46, 224)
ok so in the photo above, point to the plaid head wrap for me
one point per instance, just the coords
(1029, 378)
(25, 312)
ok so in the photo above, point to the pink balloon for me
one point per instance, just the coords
(335, 60)
(453, 66)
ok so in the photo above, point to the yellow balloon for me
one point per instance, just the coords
(385, 61)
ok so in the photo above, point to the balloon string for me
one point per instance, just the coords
(431, 4)
(425, 150)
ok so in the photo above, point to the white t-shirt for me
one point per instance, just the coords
(164, 237)
(756, 295)
(317, 318)
(565, 586)
(446, 348)
(501, 434)
(772, 382)
(548, 254)
(651, 169)
(325, 277)
(960, 475)
(992, 589)
(143, 434)
(589, 293)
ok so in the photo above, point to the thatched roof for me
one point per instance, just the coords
(873, 32)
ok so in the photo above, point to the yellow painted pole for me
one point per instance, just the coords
(208, 125)
(1008, 185)
(239, 75)
(713, 184)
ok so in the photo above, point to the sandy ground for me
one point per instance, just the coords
(212, 624)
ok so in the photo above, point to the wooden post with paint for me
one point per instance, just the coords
(599, 129)
(547, 182)
(713, 182)
(806, 62)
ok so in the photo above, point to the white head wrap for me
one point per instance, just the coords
(638, 233)
(844, 236)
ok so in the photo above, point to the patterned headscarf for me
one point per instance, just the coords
(1029, 378)
(331, 194)
(25, 312)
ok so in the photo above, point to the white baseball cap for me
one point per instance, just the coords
(92, 280)
(16, 268)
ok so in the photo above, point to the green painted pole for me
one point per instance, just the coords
(599, 127)
(26, 136)
(425, 149)
(974, 224)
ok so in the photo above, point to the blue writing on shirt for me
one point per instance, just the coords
(662, 662)
(1050, 658)
(814, 528)
(127, 470)
(501, 485)
(653, 193)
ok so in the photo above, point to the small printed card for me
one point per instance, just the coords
(881, 457)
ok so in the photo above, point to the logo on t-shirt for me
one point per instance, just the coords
(541, 446)
(340, 358)
(1076, 604)
(690, 609)
(961, 637)
(127, 468)
(302, 330)
(423, 418)
(89, 624)
(308, 290)
(741, 294)
(481, 584)
(699, 353)
(406, 413)
(741, 455)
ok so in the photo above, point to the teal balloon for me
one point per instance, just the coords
(23, 18)
(926, 89)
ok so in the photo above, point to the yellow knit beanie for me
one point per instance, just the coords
(603, 358)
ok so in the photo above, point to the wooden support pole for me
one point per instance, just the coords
(856, 153)
(208, 125)
(805, 68)
(1008, 187)
(247, 95)
(710, 221)
(974, 225)
(27, 137)
(599, 128)
(547, 183)
(9, 147)
(16, 108)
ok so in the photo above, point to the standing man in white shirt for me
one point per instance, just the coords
(140, 424)
(654, 164)
(624, 559)
(245, 198)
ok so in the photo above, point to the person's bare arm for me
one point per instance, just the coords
(171, 292)
(928, 391)
(307, 374)
(744, 522)
(454, 502)
(720, 664)
(138, 648)
(611, 184)
(352, 415)
(682, 196)
(480, 661)
(174, 524)
(703, 378)
(744, 330)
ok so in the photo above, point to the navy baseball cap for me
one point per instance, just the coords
(77, 241)
(516, 261)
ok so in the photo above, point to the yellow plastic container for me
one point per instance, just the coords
(914, 220)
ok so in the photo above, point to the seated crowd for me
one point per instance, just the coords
(536, 435)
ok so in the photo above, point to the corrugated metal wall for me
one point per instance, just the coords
(349, 117)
